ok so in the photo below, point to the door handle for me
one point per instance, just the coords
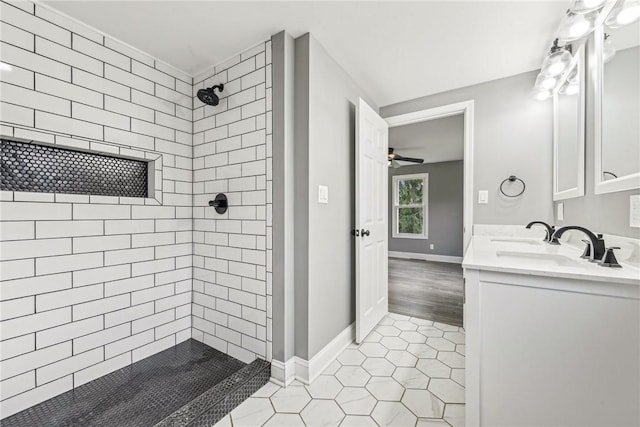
(364, 232)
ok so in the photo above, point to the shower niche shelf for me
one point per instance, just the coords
(51, 169)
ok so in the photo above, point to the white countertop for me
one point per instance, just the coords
(532, 256)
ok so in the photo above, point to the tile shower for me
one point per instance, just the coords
(92, 283)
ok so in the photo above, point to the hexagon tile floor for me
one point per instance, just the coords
(407, 372)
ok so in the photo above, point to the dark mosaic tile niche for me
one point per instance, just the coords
(190, 384)
(47, 169)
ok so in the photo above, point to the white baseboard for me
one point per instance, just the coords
(426, 257)
(329, 353)
(306, 371)
(283, 374)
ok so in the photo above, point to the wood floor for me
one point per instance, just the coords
(426, 289)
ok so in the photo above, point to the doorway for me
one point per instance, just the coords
(424, 358)
(430, 200)
(372, 199)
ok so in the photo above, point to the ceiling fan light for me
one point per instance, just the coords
(576, 26)
(556, 63)
(624, 13)
(586, 6)
(546, 82)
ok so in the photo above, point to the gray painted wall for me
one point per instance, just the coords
(513, 136)
(445, 209)
(301, 193)
(325, 98)
(283, 330)
(604, 213)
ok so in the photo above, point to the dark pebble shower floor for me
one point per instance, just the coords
(190, 384)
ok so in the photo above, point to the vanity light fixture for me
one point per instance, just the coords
(623, 13)
(570, 88)
(546, 82)
(576, 26)
(541, 95)
(586, 6)
(608, 51)
(557, 60)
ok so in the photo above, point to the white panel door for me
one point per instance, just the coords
(372, 290)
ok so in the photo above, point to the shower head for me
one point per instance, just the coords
(208, 95)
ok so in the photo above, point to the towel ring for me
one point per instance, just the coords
(513, 178)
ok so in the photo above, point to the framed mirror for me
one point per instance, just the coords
(617, 108)
(569, 131)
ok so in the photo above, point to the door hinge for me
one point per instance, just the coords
(355, 232)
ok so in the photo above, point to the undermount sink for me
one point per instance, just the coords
(517, 241)
(539, 259)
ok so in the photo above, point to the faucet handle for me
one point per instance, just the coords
(609, 259)
(587, 249)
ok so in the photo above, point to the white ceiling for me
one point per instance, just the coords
(395, 50)
(439, 140)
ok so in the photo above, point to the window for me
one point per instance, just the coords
(410, 198)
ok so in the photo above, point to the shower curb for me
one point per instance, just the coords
(215, 403)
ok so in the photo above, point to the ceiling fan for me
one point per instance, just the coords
(394, 158)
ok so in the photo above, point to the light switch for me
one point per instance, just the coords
(483, 197)
(323, 194)
(634, 210)
(560, 212)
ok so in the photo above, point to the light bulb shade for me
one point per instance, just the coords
(623, 13)
(586, 6)
(576, 26)
(570, 88)
(541, 95)
(545, 82)
(556, 63)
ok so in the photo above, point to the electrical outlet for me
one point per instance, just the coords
(432, 246)
(560, 212)
(483, 197)
(323, 194)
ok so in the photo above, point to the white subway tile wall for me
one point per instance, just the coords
(232, 251)
(90, 284)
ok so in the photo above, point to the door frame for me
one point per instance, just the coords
(466, 108)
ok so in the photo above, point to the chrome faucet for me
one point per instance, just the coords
(550, 231)
(597, 242)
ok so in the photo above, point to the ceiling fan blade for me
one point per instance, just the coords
(408, 159)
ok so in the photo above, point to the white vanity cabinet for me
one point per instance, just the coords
(550, 344)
